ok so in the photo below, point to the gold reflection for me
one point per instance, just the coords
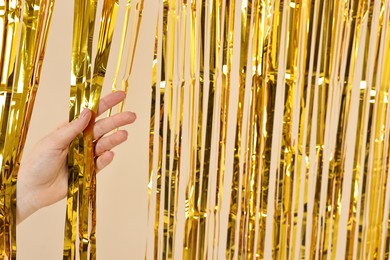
(23, 29)
(87, 79)
(129, 40)
(270, 139)
(86, 85)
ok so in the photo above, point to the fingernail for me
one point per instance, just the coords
(84, 113)
(135, 115)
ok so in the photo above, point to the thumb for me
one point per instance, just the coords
(66, 133)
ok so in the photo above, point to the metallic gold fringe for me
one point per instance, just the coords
(85, 93)
(305, 173)
(128, 45)
(23, 33)
(86, 85)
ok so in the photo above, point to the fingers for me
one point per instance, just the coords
(108, 142)
(64, 135)
(110, 100)
(104, 160)
(106, 125)
(104, 146)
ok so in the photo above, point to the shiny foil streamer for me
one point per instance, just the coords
(88, 75)
(270, 129)
(24, 27)
(127, 47)
(86, 85)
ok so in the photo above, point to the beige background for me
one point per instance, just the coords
(122, 187)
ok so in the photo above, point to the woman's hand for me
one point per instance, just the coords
(43, 175)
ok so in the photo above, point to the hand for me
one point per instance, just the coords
(43, 175)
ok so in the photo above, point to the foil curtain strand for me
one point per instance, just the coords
(24, 27)
(305, 172)
(86, 86)
(128, 46)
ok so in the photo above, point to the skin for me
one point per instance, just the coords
(43, 174)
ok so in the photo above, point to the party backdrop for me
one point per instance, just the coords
(269, 128)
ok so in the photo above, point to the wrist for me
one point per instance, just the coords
(25, 201)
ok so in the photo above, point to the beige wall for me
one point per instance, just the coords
(122, 193)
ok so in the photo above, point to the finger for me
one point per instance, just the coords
(109, 142)
(106, 125)
(110, 100)
(67, 132)
(103, 160)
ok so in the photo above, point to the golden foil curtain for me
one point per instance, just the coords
(128, 44)
(23, 32)
(270, 129)
(86, 85)
(87, 78)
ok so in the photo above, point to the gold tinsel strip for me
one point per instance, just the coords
(130, 32)
(83, 26)
(155, 141)
(305, 172)
(192, 72)
(87, 82)
(24, 26)
(85, 93)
